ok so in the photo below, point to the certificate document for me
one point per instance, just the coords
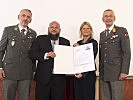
(71, 60)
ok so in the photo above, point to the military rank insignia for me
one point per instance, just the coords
(29, 37)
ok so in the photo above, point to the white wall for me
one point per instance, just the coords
(70, 14)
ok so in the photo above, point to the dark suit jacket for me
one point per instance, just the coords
(114, 54)
(45, 67)
(14, 53)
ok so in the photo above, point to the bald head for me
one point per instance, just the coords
(54, 23)
(54, 30)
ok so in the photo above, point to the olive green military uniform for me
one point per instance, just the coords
(114, 56)
(14, 57)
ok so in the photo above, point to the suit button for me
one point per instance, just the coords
(105, 55)
(105, 48)
(105, 61)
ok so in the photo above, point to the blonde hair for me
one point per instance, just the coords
(89, 25)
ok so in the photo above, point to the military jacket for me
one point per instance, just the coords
(114, 54)
(14, 53)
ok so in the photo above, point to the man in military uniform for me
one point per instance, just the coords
(16, 68)
(114, 57)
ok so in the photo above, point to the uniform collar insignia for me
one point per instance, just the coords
(29, 30)
(114, 30)
(16, 28)
(114, 35)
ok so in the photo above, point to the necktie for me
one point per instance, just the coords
(22, 32)
(107, 32)
(53, 43)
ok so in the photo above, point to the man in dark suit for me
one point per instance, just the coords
(16, 68)
(49, 86)
(114, 58)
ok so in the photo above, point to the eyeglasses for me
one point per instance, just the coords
(106, 16)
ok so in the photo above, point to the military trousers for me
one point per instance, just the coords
(112, 90)
(22, 87)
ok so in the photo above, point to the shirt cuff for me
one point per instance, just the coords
(46, 57)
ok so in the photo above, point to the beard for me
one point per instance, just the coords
(53, 37)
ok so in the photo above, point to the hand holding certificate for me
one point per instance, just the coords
(71, 60)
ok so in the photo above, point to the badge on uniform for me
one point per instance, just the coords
(126, 35)
(113, 37)
(29, 37)
(13, 42)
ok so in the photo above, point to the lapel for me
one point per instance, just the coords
(49, 44)
(16, 30)
(110, 35)
(103, 37)
(106, 38)
(29, 33)
(59, 41)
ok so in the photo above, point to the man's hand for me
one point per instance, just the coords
(122, 76)
(2, 74)
(51, 54)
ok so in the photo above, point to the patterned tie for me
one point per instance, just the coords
(22, 32)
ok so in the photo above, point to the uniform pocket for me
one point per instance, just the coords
(12, 39)
(117, 61)
(7, 63)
